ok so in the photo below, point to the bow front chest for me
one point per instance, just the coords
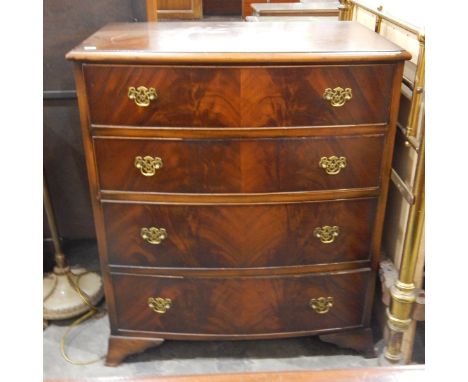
(239, 175)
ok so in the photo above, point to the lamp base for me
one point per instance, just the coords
(61, 291)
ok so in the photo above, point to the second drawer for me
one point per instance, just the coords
(238, 236)
(239, 165)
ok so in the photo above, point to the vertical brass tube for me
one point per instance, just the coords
(59, 256)
(403, 292)
(378, 21)
(351, 7)
(415, 223)
(342, 11)
(345, 10)
(415, 108)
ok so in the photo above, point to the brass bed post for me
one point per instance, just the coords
(399, 314)
(346, 10)
(418, 89)
(403, 292)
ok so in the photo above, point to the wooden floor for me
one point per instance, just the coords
(381, 374)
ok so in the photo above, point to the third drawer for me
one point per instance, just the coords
(239, 236)
(258, 165)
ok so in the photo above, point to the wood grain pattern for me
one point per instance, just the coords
(239, 165)
(294, 96)
(217, 306)
(247, 97)
(94, 190)
(151, 10)
(237, 199)
(238, 236)
(239, 207)
(236, 132)
(194, 43)
(186, 97)
(175, 4)
(120, 347)
(241, 272)
(360, 339)
(180, 9)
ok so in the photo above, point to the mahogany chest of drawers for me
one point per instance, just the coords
(239, 175)
(247, 5)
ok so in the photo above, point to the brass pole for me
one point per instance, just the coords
(342, 11)
(400, 23)
(351, 6)
(345, 10)
(403, 292)
(418, 89)
(59, 256)
(378, 20)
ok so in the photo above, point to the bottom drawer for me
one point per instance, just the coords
(240, 306)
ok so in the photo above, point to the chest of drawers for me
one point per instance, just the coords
(239, 175)
(247, 5)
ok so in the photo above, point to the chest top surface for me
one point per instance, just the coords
(236, 42)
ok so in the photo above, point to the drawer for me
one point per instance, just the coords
(239, 165)
(238, 97)
(185, 96)
(240, 306)
(295, 96)
(238, 236)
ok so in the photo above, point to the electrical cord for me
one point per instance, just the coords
(93, 311)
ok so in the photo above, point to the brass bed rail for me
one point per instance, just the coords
(403, 292)
(347, 11)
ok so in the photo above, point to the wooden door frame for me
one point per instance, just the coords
(152, 10)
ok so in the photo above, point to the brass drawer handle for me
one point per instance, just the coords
(148, 165)
(159, 305)
(321, 305)
(153, 235)
(327, 234)
(338, 96)
(333, 165)
(142, 95)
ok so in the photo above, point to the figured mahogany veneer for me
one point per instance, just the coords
(240, 306)
(238, 97)
(240, 165)
(237, 236)
(240, 233)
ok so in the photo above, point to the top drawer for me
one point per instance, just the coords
(238, 97)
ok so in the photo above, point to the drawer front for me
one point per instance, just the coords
(239, 236)
(240, 165)
(240, 306)
(238, 97)
(185, 96)
(295, 96)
